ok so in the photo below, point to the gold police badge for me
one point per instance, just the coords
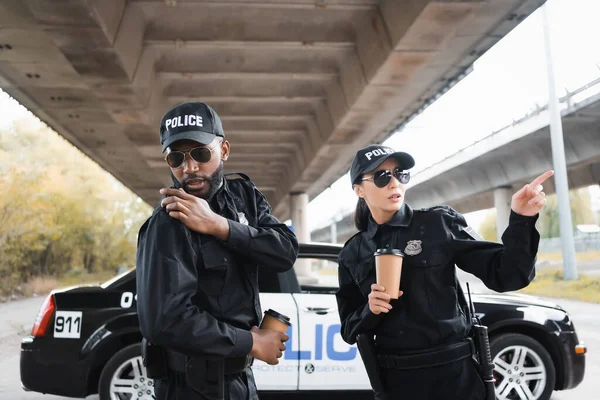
(413, 247)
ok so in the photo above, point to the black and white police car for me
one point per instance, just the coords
(85, 340)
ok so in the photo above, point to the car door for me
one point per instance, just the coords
(326, 361)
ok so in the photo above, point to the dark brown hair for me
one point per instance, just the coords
(361, 215)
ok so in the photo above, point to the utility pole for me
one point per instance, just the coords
(559, 161)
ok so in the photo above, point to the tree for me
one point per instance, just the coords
(581, 213)
(58, 209)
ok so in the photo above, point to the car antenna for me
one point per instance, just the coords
(471, 307)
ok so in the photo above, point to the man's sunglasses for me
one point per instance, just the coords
(175, 159)
(383, 177)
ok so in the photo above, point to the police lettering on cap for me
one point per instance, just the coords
(195, 121)
(188, 120)
(369, 158)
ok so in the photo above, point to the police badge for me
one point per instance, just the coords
(242, 218)
(413, 247)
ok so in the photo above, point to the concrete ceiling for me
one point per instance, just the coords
(299, 84)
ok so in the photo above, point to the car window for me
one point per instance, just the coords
(322, 272)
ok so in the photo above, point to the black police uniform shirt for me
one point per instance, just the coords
(434, 241)
(198, 295)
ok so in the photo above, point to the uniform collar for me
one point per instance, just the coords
(401, 218)
(219, 196)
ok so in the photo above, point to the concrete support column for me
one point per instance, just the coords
(502, 200)
(299, 216)
(560, 163)
(333, 232)
(299, 213)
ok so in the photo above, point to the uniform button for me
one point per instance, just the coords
(424, 262)
(225, 259)
(387, 245)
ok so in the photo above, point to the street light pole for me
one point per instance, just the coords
(559, 161)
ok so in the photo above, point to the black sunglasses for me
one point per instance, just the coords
(176, 158)
(383, 177)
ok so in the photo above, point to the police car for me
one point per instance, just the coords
(85, 340)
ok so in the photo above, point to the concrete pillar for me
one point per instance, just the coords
(333, 232)
(502, 200)
(559, 161)
(299, 214)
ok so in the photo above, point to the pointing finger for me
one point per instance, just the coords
(540, 179)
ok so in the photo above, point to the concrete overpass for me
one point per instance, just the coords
(300, 84)
(487, 173)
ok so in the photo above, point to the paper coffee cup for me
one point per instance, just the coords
(275, 321)
(388, 267)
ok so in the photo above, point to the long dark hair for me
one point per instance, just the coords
(361, 215)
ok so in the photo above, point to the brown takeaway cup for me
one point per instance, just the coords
(388, 266)
(275, 321)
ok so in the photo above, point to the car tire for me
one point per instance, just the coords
(521, 363)
(126, 366)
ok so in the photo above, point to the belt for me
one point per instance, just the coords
(426, 359)
(177, 361)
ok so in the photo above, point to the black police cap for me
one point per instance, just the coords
(195, 121)
(371, 157)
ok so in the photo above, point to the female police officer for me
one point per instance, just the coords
(419, 337)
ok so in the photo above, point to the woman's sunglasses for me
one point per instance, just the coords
(175, 159)
(383, 177)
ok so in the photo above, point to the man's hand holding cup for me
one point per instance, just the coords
(268, 340)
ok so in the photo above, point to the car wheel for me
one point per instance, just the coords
(124, 377)
(524, 369)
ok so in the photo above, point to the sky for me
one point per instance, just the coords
(506, 83)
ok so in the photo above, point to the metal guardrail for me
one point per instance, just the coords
(583, 242)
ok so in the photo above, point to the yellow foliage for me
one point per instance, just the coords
(59, 210)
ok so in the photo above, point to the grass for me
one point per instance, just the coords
(550, 283)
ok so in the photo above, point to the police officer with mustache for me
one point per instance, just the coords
(198, 260)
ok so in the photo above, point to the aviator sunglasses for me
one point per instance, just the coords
(383, 177)
(176, 158)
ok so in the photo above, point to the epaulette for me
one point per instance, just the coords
(453, 213)
(443, 208)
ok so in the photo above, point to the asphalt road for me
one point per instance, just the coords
(18, 316)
